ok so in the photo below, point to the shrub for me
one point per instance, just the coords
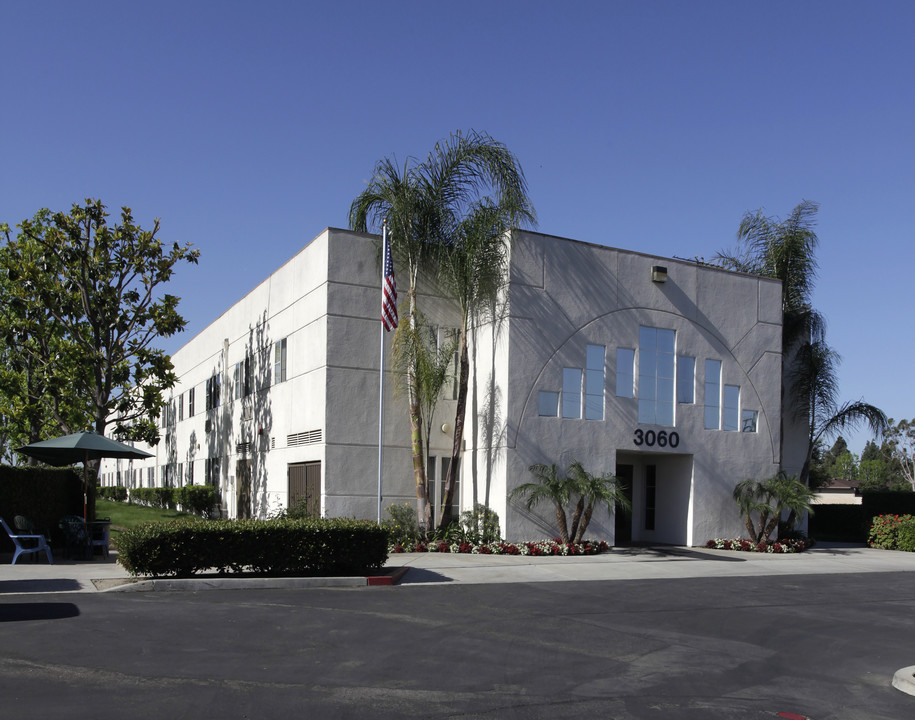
(283, 547)
(160, 497)
(117, 493)
(196, 499)
(480, 525)
(889, 532)
(403, 527)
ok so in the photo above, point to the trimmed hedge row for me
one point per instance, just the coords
(44, 496)
(118, 493)
(196, 499)
(286, 547)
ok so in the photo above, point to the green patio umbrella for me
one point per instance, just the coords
(80, 447)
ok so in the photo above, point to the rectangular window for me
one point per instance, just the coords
(212, 393)
(548, 404)
(180, 481)
(686, 380)
(190, 402)
(181, 407)
(237, 380)
(656, 376)
(750, 418)
(651, 495)
(594, 383)
(625, 372)
(279, 361)
(249, 386)
(571, 393)
(712, 394)
(190, 473)
(729, 418)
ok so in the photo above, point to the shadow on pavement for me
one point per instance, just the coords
(17, 612)
(39, 586)
(421, 575)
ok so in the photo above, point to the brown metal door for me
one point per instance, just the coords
(305, 485)
(243, 489)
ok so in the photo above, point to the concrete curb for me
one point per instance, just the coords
(391, 577)
(904, 680)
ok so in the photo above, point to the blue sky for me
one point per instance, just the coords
(249, 127)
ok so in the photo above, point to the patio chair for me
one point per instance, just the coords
(76, 537)
(101, 530)
(23, 543)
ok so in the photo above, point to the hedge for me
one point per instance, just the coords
(893, 532)
(118, 493)
(286, 547)
(44, 496)
(196, 499)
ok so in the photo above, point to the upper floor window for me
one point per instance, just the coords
(686, 380)
(730, 416)
(712, 394)
(279, 361)
(571, 393)
(594, 383)
(625, 372)
(656, 376)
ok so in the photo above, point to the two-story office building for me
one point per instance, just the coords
(664, 372)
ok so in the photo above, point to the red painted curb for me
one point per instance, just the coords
(392, 578)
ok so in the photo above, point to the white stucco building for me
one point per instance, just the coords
(664, 372)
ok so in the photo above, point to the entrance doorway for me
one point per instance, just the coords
(622, 534)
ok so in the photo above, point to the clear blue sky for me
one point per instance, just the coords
(249, 127)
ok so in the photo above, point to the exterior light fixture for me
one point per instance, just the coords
(446, 428)
(658, 273)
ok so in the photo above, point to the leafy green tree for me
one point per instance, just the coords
(763, 502)
(423, 203)
(899, 441)
(845, 467)
(872, 474)
(96, 287)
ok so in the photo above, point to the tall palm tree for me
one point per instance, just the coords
(550, 486)
(474, 270)
(786, 250)
(423, 204)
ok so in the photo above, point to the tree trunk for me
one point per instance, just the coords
(423, 509)
(585, 521)
(459, 413)
(561, 522)
(576, 517)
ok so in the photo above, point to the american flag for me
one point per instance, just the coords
(388, 290)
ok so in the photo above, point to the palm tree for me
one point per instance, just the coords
(594, 490)
(551, 487)
(473, 269)
(768, 499)
(786, 250)
(424, 203)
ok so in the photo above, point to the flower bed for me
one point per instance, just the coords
(543, 547)
(774, 546)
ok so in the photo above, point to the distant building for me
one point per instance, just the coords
(664, 372)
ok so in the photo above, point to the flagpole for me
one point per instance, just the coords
(384, 239)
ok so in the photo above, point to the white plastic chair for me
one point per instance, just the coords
(40, 540)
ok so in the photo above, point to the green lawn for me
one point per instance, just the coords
(125, 515)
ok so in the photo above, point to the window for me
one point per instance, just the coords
(212, 392)
(237, 380)
(181, 407)
(686, 380)
(548, 404)
(571, 393)
(279, 361)
(180, 481)
(190, 402)
(625, 373)
(594, 383)
(656, 376)
(248, 385)
(190, 473)
(651, 495)
(211, 472)
(729, 418)
(750, 418)
(712, 393)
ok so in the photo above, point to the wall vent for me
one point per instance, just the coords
(242, 448)
(310, 437)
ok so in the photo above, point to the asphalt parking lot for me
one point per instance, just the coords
(819, 646)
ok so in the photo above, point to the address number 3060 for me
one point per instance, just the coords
(661, 438)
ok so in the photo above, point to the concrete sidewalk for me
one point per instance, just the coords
(105, 575)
